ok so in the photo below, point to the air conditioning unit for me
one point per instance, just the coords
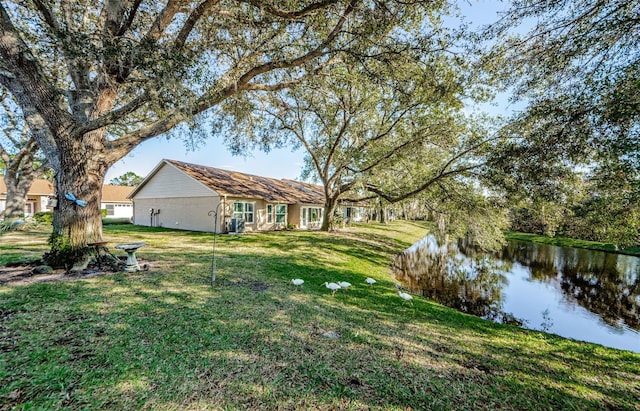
(236, 225)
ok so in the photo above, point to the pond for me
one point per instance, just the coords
(576, 293)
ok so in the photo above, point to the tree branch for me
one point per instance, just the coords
(130, 16)
(47, 15)
(114, 115)
(274, 87)
(163, 20)
(21, 74)
(290, 14)
(394, 199)
(121, 146)
(191, 21)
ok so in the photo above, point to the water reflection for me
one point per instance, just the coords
(439, 271)
(577, 293)
(606, 284)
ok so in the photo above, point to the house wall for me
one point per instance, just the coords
(120, 210)
(187, 213)
(168, 182)
(184, 203)
(260, 220)
(295, 216)
(43, 203)
(182, 213)
(191, 213)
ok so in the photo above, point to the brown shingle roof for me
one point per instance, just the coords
(116, 194)
(39, 187)
(246, 185)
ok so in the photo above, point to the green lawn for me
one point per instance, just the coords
(166, 339)
(572, 242)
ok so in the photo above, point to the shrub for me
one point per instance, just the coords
(8, 225)
(43, 217)
(116, 221)
(18, 225)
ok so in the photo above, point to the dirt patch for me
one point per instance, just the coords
(25, 275)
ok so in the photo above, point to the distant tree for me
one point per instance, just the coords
(609, 211)
(127, 179)
(19, 157)
(96, 79)
(577, 70)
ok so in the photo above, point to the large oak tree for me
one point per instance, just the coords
(360, 121)
(95, 79)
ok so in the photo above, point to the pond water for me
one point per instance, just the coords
(581, 294)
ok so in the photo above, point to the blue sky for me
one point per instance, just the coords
(280, 163)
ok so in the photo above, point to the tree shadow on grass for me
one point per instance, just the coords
(170, 340)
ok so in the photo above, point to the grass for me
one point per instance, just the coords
(166, 339)
(572, 242)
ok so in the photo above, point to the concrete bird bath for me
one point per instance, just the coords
(132, 263)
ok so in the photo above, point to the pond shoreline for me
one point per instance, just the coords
(578, 293)
(571, 242)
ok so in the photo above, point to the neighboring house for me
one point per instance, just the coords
(186, 196)
(114, 199)
(37, 196)
(353, 213)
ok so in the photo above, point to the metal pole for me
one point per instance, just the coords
(215, 232)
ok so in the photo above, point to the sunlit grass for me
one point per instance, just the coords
(572, 242)
(168, 339)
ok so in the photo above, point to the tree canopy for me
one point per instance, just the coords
(96, 79)
(576, 69)
(127, 179)
(357, 123)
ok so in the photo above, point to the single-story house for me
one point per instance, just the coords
(194, 197)
(37, 196)
(114, 199)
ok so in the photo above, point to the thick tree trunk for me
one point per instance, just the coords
(80, 225)
(75, 225)
(18, 177)
(17, 189)
(329, 209)
(382, 218)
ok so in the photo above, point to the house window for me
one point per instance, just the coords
(269, 213)
(277, 212)
(110, 210)
(311, 216)
(281, 213)
(243, 210)
(29, 208)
